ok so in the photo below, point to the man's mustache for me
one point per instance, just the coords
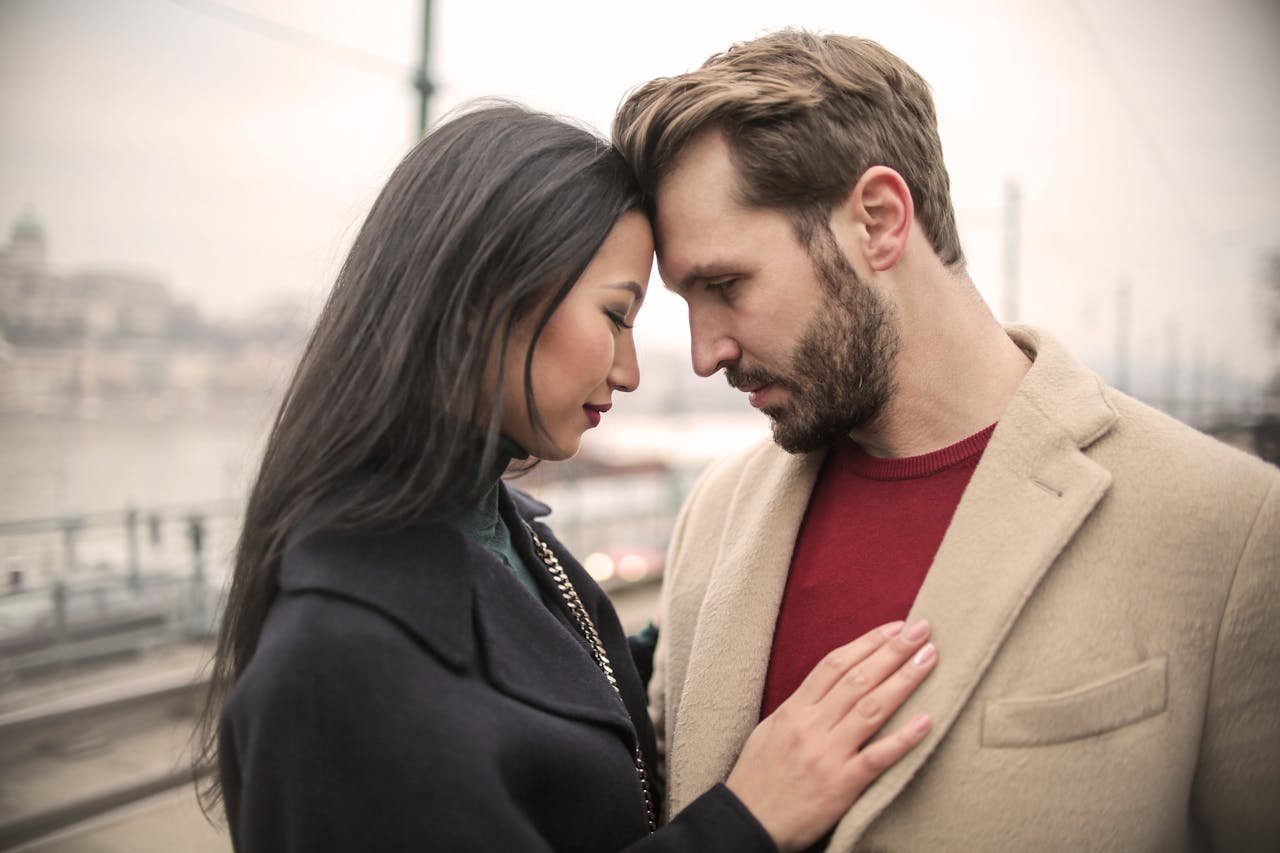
(739, 378)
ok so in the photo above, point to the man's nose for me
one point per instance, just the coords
(711, 344)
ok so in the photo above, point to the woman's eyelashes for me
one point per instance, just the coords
(619, 318)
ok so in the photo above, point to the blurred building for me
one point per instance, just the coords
(95, 340)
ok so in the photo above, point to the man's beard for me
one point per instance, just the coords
(841, 373)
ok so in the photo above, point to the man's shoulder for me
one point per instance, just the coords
(1156, 439)
(1133, 440)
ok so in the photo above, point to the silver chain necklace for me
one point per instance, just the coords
(588, 629)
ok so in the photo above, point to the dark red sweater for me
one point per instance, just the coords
(868, 538)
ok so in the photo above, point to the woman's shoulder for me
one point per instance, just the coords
(313, 642)
(418, 582)
(328, 663)
(351, 605)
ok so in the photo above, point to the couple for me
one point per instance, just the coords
(410, 660)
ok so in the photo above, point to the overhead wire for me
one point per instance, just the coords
(1130, 107)
(295, 37)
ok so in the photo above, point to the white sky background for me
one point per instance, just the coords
(151, 135)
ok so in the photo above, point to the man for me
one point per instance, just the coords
(1101, 580)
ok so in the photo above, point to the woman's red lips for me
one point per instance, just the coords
(594, 412)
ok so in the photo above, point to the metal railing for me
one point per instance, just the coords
(88, 586)
(84, 587)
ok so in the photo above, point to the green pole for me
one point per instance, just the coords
(421, 80)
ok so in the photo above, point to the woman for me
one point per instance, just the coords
(408, 659)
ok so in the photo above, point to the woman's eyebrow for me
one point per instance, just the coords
(636, 290)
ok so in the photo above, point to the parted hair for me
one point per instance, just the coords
(805, 115)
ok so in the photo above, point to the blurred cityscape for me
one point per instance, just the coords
(97, 342)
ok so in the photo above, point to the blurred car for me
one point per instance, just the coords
(624, 566)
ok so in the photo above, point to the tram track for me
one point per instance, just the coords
(74, 758)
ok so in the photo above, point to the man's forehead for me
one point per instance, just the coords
(701, 177)
(689, 247)
(697, 213)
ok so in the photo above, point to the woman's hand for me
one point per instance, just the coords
(806, 763)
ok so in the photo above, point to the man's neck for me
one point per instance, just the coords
(955, 373)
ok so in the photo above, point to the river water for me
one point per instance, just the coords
(52, 466)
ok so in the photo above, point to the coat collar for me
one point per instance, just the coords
(1033, 477)
(533, 649)
(729, 656)
(462, 603)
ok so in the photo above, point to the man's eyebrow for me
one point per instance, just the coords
(698, 273)
(636, 290)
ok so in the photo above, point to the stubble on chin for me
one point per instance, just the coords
(803, 428)
(842, 375)
(788, 435)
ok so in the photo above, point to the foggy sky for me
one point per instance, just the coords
(157, 136)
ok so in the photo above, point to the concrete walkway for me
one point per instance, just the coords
(81, 741)
(167, 823)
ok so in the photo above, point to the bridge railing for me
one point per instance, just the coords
(80, 587)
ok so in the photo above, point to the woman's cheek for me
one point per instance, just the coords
(602, 360)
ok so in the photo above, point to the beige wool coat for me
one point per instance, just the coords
(1106, 605)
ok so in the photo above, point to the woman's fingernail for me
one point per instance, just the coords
(892, 629)
(918, 631)
(921, 724)
(925, 655)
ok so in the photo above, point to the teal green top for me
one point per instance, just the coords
(483, 524)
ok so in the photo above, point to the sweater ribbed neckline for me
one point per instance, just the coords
(863, 464)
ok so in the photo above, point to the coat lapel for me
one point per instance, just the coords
(533, 651)
(729, 658)
(464, 605)
(1031, 492)
(533, 656)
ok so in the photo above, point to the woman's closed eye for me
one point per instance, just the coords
(619, 318)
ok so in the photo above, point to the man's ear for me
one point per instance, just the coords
(880, 204)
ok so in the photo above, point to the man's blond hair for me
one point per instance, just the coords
(805, 115)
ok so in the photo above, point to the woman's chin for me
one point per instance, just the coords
(559, 452)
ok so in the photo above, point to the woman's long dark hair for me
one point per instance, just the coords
(493, 215)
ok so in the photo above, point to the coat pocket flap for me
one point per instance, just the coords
(1101, 706)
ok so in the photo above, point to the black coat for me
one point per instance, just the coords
(407, 693)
